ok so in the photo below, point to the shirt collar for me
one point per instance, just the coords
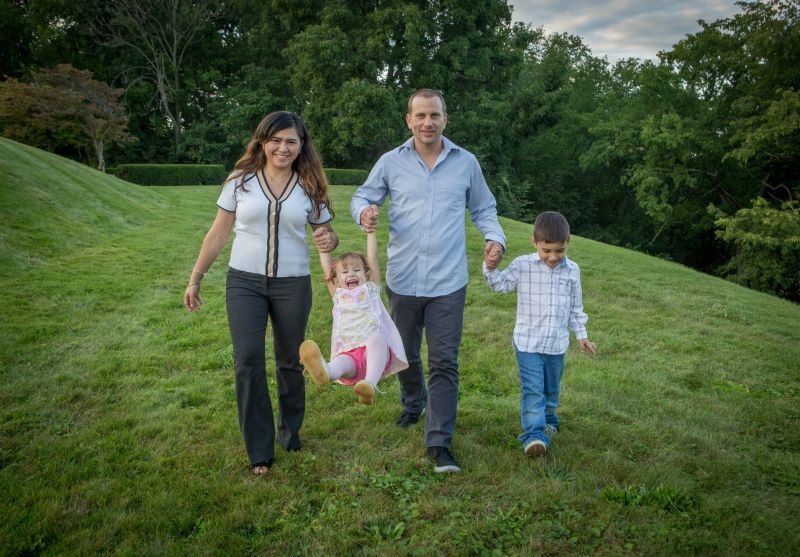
(564, 262)
(448, 145)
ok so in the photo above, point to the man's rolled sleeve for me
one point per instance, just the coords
(373, 191)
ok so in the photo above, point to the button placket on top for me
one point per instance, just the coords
(425, 230)
(273, 220)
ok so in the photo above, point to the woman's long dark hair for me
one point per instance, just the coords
(308, 163)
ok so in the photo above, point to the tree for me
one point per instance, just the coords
(159, 33)
(767, 243)
(64, 105)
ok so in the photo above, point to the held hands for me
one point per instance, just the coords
(323, 240)
(191, 297)
(587, 346)
(369, 219)
(492, 254)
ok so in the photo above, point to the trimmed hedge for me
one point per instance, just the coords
(215, 174)
(346, 176)
(171, 174)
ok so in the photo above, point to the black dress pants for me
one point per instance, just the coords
(252, 300)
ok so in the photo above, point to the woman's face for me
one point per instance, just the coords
(282, 149)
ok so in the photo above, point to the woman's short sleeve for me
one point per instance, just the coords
(324, 214)
(227, 199)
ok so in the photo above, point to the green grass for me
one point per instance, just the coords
(118, 431)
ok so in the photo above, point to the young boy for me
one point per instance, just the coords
(548, 301)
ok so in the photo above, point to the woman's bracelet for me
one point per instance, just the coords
(194, 284)
(201, 273)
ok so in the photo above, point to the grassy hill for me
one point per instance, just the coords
(118, 429)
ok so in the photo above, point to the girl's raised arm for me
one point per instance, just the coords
(372, 258)
(325, 261)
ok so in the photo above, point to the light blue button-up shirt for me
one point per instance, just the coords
(427, 254)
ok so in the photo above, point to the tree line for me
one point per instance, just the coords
(694, 157)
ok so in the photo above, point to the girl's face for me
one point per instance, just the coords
(282, 149)
(350, 274)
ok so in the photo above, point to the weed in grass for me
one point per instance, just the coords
(732, 387)
(662, 497)
(499, 533)
(553, 469)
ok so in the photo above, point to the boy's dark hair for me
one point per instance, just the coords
(551, 227)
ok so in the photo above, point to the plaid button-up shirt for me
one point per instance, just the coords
(548, 302)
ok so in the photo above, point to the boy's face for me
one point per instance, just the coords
(551, 252)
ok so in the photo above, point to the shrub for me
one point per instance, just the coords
(767, 243)
(346, 176)
(171, 174)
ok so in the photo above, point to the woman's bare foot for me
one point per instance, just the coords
(261, 468)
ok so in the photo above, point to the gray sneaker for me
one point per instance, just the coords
(443, 460)
(407, 419)
(550, 430)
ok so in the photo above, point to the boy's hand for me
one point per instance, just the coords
(492, 254)
(323, 240)
(369, 219)
(587, 346)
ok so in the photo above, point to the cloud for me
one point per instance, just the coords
(623, 28)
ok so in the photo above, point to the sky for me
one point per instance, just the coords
(623, 28)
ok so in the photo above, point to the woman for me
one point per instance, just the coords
(276, 188)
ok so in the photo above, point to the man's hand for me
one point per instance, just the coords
(369, 219)
(492, 254)
(323, 240)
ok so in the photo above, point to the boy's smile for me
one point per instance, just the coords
(551, 252)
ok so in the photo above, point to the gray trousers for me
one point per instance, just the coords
(442, 317)
(252, 300)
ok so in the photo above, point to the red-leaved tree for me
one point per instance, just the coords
(63, 106)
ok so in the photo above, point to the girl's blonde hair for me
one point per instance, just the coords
(349, 257)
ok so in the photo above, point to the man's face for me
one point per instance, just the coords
(426, 120)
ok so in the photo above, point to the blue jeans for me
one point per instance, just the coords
(540, 378)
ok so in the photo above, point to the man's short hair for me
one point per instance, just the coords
(428, 93)
(551, 227)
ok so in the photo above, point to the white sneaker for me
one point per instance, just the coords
(550, 430)
(315, 364)
(535, 448)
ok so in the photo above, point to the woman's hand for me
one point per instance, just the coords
(191, 297)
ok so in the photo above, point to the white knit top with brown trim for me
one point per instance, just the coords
(270, 231)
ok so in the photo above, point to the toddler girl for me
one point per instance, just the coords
(365, 344)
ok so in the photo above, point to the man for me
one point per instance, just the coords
(430, 181)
